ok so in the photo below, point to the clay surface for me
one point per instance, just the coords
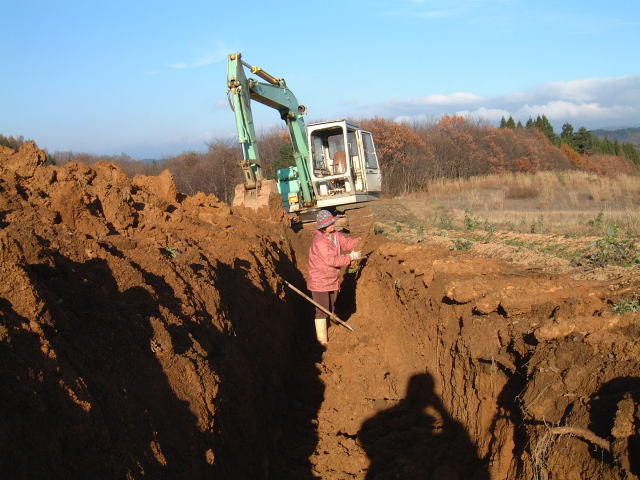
(147, 334)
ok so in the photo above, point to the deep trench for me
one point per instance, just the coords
(276, 393)
(463, 448)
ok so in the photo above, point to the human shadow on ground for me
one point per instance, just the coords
(418, 439)
(509, 408)
(617, 404)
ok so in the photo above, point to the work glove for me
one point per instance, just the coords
(355, 255)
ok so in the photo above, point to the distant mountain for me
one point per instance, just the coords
(623, 135)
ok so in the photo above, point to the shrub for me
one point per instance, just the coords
(610, 250)
(626, 305)
(445, 222)
(470, 222)
(462, 244)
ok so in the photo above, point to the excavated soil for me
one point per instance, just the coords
(144, 333)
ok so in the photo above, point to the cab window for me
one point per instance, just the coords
(370, 156)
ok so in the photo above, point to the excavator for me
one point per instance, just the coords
(335, 161)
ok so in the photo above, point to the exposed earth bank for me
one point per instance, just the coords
(466, 367)
(144, 333)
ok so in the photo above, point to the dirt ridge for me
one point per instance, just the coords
(144, 333)
(506, 353)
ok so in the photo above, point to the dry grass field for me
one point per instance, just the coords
(562, 219)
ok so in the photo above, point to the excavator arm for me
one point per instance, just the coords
(275, 94)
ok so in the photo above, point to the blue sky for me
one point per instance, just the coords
(149, 78)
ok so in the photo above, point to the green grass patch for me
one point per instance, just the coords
(612, 250)
(626, 305)
(462, 244)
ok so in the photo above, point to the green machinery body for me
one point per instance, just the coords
(335, 161)
(274, 94)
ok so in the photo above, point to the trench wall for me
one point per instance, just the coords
(465, 367)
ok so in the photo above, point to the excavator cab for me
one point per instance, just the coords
(343, 164)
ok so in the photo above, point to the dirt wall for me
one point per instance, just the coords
(143, 333)
(467, 367)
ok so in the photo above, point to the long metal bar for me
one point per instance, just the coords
(332, 316)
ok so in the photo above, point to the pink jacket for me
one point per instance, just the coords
(326, 258)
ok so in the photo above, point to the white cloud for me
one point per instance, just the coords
(212, 57)
(491, 114)
(422, 118)
(592, 102)
(437, 13)
(222, 104)
(458, 98)
(561, 109)
(452, 99)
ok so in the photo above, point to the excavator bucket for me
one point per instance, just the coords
(255, 198)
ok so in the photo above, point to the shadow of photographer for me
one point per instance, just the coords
(418, 439)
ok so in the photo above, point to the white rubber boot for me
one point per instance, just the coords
(321, 330)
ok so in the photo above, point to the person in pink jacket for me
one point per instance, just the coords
(326, 256)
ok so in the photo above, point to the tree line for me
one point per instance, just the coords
(410, 154)
(583, 141)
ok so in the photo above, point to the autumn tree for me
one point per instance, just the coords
(574, 157)
(402, 154)
(13, 143)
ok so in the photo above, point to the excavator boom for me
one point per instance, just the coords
(275, 94)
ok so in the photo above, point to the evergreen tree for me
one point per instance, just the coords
(285, 158)
(547, 129)
(583, 141)
(606, 146)
(503, 123)
(629, 151)
(511, 123)
(538, 122)
(544, 125)
(519, 125)
(566, 136)
(529, 123)
(49, 159)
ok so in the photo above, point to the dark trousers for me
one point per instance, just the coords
(327, 300)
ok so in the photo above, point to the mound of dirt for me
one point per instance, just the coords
(143, 333)
(467, 367)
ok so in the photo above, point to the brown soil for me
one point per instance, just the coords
(144, 333)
